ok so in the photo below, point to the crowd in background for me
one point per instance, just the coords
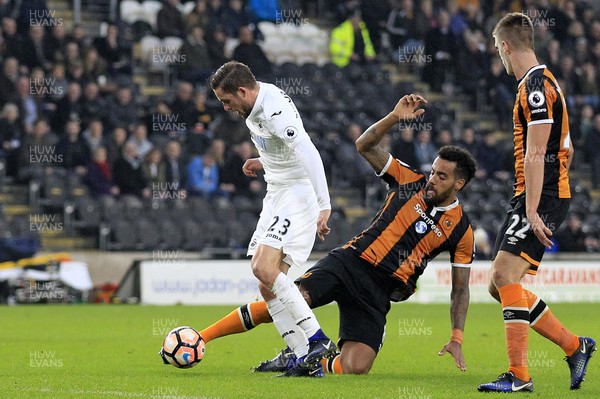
(72, 92)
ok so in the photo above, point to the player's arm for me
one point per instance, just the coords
(537, 139)
(286, 123)
(368, 142)
(570, 155)
(462, 257)
(309, 157)
(251, 166)
(459, 304)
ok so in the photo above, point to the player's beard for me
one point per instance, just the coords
(436, 198)
(245, 112)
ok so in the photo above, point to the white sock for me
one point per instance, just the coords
(293, 335)
(289, 295)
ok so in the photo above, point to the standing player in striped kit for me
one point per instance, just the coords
(543, 154)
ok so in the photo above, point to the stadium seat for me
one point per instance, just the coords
(288, 30)
(158, 211)
(244, 204)
(291, 70)
(194, 235)
(224, 211)
(201, 210)
(308, 32)
(130, 11)
(125, 235)
(171, 234)
(148, 235)
(230, 45)
(141, 29)
(310, 70)
(283, 58)
(110, 209)
(88, 212)
(180, 210)
(239, 233)
(132, 206)
(274, 47)
(268, 29)
(76, 188)
(151, 9)
(219, 236)
(188, 7)
(149, 44)
(308, 58)
(332, 71)
(172, 42)
(54, 190)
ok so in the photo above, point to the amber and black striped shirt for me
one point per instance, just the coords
(406, 232)
(540, 101)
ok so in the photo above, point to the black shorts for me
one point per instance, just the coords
(361, 292)
(516, 235)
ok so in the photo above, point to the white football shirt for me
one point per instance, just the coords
(276, 127)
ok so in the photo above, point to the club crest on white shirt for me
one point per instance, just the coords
(290, 133)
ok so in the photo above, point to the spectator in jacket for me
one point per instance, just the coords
(128, 174)
(99, 176)
(169, 20)
(351, 42)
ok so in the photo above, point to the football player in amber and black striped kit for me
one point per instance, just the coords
(420, 218)
(543, 153)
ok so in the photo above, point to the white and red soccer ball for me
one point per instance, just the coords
(183, 347)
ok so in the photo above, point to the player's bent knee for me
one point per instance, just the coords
(357, 357)
(499, 279)
(494, 291)
(356, 366)
(263, 271)
(266, 293)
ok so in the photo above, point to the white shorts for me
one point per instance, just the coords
(288, 220)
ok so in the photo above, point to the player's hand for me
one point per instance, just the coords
(322, 228)
(405, 109)
(251, 166)
(455, 349)
(541, 231)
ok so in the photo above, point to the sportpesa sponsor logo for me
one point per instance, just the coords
(429, 221)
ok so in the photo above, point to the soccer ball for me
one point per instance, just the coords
(183, 347)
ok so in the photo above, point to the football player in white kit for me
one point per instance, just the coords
(295, 208)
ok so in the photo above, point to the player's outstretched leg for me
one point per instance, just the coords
(578, 350)
(240, 320)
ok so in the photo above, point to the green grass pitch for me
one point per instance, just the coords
(89, 351)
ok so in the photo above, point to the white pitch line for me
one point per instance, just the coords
(111, 393)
